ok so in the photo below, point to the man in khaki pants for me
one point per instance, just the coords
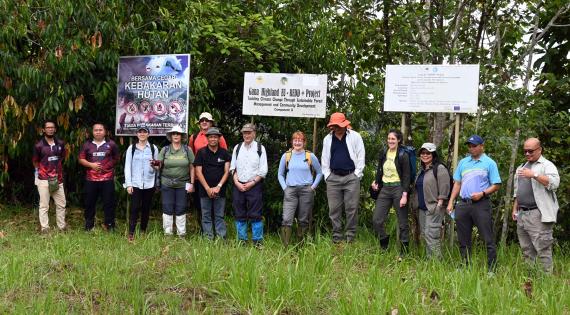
(48, 156)
(535, 205)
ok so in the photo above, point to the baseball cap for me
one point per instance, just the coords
(475, 139)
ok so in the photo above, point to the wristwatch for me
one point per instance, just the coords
(535, 176)
(219, 185)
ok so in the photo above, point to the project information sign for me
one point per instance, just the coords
(152, 91)
(431, 88)
(284, 94)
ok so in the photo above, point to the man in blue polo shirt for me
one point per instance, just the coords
(476, 177)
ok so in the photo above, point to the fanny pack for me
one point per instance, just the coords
(171, 182)
(53, 184)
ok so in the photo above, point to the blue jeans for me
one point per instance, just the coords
(174, 200)
(216, 208)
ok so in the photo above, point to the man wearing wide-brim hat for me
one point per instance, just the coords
(343, 165)
(248, 167)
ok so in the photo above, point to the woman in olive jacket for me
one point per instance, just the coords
(432, 186)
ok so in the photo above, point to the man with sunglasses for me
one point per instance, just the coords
(535, 206)
(475, 178)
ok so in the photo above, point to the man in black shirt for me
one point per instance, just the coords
(212, 167)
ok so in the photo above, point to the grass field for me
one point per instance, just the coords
(99, 272)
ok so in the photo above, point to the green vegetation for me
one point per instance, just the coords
(78, 272)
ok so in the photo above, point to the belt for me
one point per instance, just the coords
(342, 172)
(471, 201)
(528, 209)
(391, 184)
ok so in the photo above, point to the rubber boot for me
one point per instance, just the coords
(286, 235)
(384, 243)
(302, 234)
(181, 225)
(241, 228)
(257, 231)
(167, 223)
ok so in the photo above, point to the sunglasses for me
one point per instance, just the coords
(530, 151)
(175, 133)
(203, 120)
(425, 153)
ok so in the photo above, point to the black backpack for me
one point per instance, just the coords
(239, 147)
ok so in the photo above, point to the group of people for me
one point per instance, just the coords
(203, 167)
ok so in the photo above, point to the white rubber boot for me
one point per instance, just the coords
(167, 221)
(181, 225)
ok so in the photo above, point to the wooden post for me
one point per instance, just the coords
(315, 135)
(453, 167)
(128, 196)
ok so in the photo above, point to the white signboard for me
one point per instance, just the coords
(431, 88)
(284, 94)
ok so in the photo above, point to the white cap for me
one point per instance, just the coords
(206, 115)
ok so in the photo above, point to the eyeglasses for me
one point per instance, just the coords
(530, 151)
(175, 133)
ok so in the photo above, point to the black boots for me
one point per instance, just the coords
(384, 243)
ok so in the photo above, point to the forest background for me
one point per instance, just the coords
(58, 60)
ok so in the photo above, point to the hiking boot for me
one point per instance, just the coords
(131, 238)
(384, 243)
(258, 244)
(286, 235)
(404, 248)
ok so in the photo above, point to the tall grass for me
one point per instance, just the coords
(98, 272)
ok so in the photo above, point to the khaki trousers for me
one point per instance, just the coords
(535, 238)
(59, 200)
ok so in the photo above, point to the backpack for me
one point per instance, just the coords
(193, 140)
(167, 149)
(412, 158)
(435, 170)
(239, 147)
(133, 149)
(308, 159)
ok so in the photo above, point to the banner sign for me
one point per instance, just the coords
(285, 94)
(153, 91)
(431, 88)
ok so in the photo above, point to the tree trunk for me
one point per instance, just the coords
(507, 198)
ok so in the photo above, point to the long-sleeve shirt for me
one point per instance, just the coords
(249, 163)
(545, 196)
(299, 171)
(355, 149)
(138, 171)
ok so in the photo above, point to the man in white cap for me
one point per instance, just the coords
(199, 140)
(343, 165)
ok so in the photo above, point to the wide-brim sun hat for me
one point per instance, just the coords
(179, 130)
(338, 119)
(248, 127)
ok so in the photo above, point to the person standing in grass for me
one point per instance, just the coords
(393, 177)
(432, 191)
(140, 179)
(49, 153)
(177, 180)
(212, 167)
(536, 206)
(99, 156)
(248, 169)
(196, 142)
(296, 178)
(475, 179)
(343, 165)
